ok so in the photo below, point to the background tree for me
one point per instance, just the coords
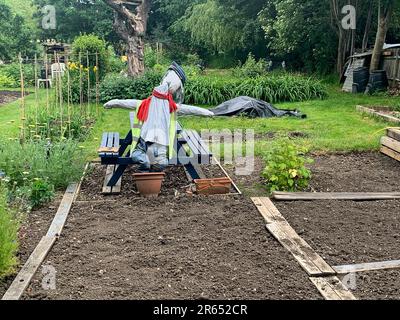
(385, 12)
(75, 17)
(14, 35)
(130, 22)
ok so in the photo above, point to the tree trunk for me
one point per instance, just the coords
(130, 22)
(342, 36)
(367, 27)
(385, 13)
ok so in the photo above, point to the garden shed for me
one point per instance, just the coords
(390, 63)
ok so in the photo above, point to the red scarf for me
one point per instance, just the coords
(143, 112)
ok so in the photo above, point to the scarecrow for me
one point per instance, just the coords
(157, 118)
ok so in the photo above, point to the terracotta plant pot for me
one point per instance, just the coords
(213, 186)
(149, 184)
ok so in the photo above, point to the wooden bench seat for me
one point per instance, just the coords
(110, 144)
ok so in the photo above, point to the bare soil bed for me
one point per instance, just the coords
(378, 285)
(8, 96)
(174, 247)
(348, 232)
(33, 229)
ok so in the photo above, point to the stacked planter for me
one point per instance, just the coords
(391, 143)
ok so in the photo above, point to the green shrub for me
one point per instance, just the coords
(121, 87)
(116, 65)
(252, 67)
(13, 72)
(7, 81)
(41, 193)
(91, 44)
(153, 57)
(8, 236)
(286, 167)
(34, 169)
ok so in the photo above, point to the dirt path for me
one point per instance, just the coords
(170, 248)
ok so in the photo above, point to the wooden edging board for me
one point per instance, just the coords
(365, 267)
(321, 274)
(352, 196)
(310, 261)
(332, 288)
(378, 114)
(24, 277)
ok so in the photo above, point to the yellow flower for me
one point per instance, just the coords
(124, 58)
(95, 69)
(293, 173)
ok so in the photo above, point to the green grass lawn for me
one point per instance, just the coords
(332, 124)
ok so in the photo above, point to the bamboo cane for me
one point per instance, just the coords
(97, 84)
(22, 106)
(88, 83)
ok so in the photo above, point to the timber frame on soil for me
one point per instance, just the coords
(324, 276)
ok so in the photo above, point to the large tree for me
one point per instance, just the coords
(15, 36)
(75, 17)
(130, 22)
(386, 8)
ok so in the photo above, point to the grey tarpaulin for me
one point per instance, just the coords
(252, 108)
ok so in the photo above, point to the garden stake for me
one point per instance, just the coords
(97, 84)
(88, 85)
(36, 98)
(22, 113)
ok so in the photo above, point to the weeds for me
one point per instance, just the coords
(8, 236)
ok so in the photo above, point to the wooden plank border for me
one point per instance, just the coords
(280, 228)
(365, 267)
(24, 277)
(351, 196)
(332, 288)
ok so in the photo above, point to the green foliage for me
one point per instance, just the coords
(13, 71)
(41, 193)
(273, 89)
(75, 17)
(121, 87)
(8, 236)
(47, 123)
(7, 82)
(252, 67)
(92, 45)
(286, 167)
(15, 35)
(116, 65)
(153, 57)
(34, 169)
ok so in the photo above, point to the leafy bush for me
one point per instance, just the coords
(121, 87)
(286, 167)
(252, 67)
(153, 57)
(7, 82)
(8, 237)
(91, 44)
(34, 169)
(13, 72)
(116, 65)
(273, 89)
(41, 193)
